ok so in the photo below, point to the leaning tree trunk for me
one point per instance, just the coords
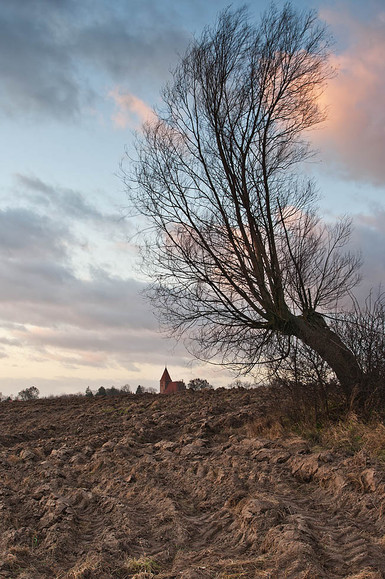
(316, 334)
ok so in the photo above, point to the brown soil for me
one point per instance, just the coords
(177, 486)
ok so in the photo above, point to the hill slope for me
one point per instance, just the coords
(177, 486)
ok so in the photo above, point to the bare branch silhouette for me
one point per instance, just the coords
(239, 259)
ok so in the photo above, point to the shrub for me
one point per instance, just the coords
(31, 393)
(363, 330)
(199, 384)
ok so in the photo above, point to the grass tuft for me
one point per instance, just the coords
(143, 564)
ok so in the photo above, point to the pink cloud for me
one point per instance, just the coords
(354, 135)
(131, 111)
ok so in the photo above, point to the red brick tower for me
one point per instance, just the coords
(167, 386)
(165, 381)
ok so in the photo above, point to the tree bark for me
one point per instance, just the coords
(316, 334)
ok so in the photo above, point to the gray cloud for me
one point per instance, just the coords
(47, 294)
(81, 346)
(37, 73)
(47, 308)
(133, 44)
(10, 342)
(100, 320)
(369, 238)
(70, 203)
(53, 314)
(39, 282)
(53, 55)
(25, 235)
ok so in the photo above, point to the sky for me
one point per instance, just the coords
(78, 77)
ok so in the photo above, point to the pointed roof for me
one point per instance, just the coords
(165, 376)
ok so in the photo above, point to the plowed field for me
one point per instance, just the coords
(178, 486)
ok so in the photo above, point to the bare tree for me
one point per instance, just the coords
(239, 260)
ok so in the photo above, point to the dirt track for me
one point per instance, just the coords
(96, 488)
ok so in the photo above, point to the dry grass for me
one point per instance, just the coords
(94, 564)
(243, 569)
(143, 564)
(270, 427)
(350, 434)
(86, 568)
(353, 435)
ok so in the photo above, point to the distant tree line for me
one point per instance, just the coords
(32, 393)
(112, 391)
(195, 384)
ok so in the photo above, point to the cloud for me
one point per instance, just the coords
(354, 137)
(37, 75)
(47, 293)
(136, 40)
(70, 203)
(57, 56)
(46, 308)
(52, 315)
(26, 235)
(89, 225)
(369, 237)
(131, 110)
(47, 303)
(81, 346)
